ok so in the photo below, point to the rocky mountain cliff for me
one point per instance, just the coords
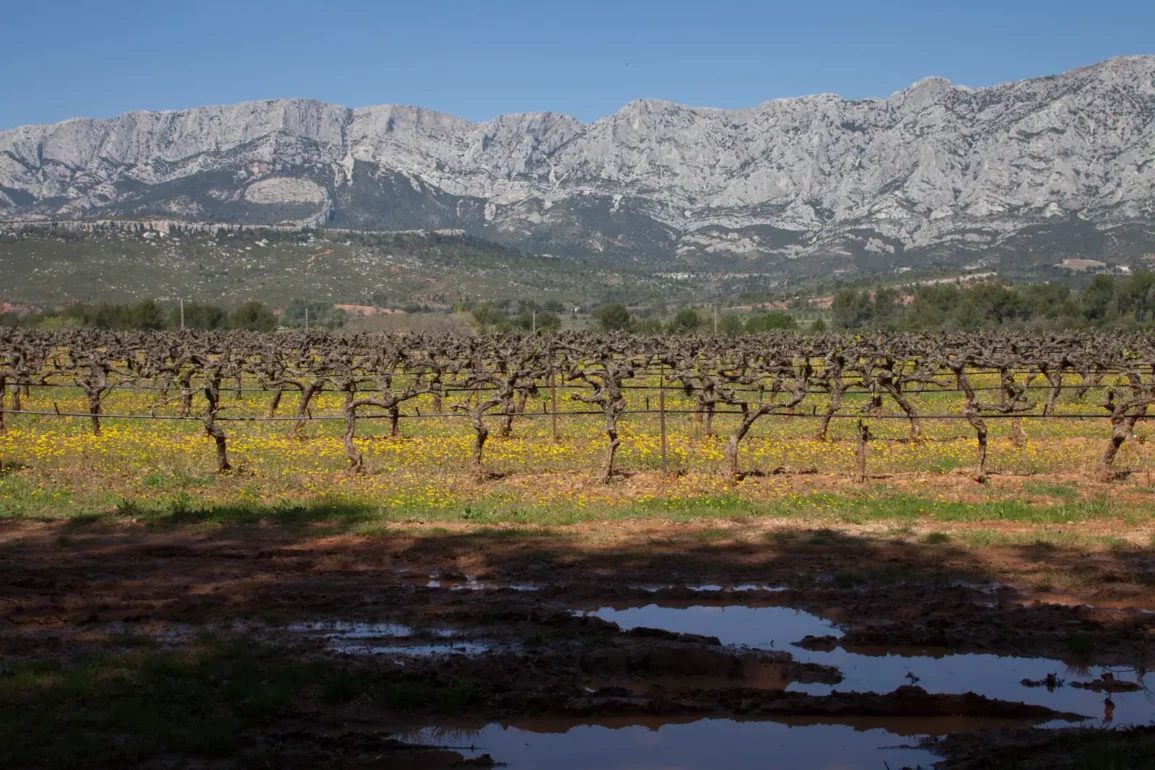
(936, 173)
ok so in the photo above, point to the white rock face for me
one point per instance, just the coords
(933, 165)
(282, 189)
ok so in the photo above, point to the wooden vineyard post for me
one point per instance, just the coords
(662, 416)
(553, 400)
(860, 464)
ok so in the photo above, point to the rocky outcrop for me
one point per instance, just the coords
(935, 168)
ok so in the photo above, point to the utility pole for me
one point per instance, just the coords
(553, 393)
(306, 319)
(715, 320)
(662, 415)
(182, 314)
(533, 321)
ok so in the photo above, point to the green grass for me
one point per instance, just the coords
(1117, 757)
(910, 508)
(712, 535)
(1080, 644)
(826, 537)
(498, 506)
(1050, 490)
(1103, 750)
(113, 709)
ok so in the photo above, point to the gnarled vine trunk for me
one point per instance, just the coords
(302, 412)
(212, 392)
(356, 459)
(275, 403)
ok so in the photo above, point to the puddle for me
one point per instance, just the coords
(471, 583)
(708, 588)
(765, 628)
(413, 650)
(703, 744)
(382, 639)
(339, 629)
(994, 676)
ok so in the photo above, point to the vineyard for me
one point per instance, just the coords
(1060, 403)
(422, 550)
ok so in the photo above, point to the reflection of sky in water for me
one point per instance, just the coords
(761, 627)
(994, 676)
(707, 744)
(410, 650)
(382, 639)
(340, 629)
(990, 675)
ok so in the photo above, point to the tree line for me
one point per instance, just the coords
(1107, 301)
(150, 315)
(617, 317)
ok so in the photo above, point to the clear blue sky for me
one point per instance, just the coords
(477, 59)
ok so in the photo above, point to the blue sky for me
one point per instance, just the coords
(70, 58)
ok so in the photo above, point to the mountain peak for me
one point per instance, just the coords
(934, 169)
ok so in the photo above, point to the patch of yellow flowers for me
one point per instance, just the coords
(55, 464)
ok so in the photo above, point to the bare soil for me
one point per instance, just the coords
(66, 587)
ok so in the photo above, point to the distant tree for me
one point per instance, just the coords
(1136, 295)
(527, 321)
(818, 326)
(933, 306)
(322, 315)
(774, 319)
(648, 325)
(253, 316)
(887, 305)
(730, 325)
(995, 303)
(487, 316)
(685, 321)
(105, 315)
(1047, 300)
(613, 317)
(1097, 298)
(967, 315)
(145, 315)
(199, 316)
(852, 308)
(553, 306)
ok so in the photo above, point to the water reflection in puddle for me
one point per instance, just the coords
(703, 744)
(391, 639)
(412, 650)
(761, 627)
(709, 588)
(472, 583)
(340, 629)
(994, 676)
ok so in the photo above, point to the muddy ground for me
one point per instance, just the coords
(536, 625)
